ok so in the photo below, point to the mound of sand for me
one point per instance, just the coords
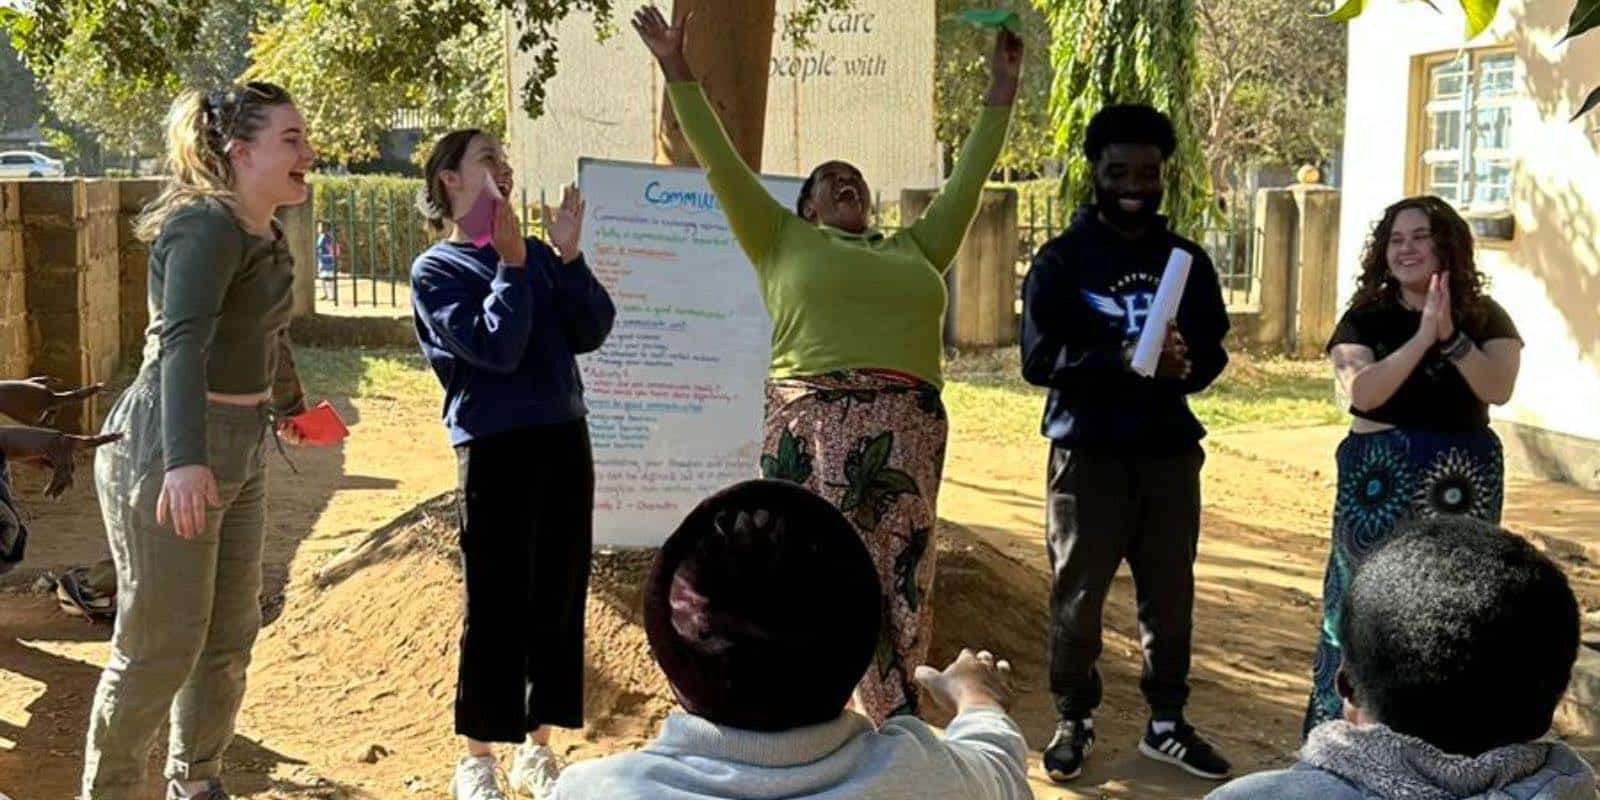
(369, 646)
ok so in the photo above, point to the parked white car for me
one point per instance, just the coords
(28, 164)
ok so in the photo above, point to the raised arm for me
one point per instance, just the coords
(490, 333)
(940, 229)
(752, 213)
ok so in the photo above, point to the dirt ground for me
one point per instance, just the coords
(353, 679)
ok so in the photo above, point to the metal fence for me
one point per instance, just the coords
(1231, 247)
(376, 237)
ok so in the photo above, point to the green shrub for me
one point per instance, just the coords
(376, 221)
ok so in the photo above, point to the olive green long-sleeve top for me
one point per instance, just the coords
(840, 300)
(220, 301)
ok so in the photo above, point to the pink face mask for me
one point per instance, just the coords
(478, 222)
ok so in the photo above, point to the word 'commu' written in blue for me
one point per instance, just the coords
(662, 197)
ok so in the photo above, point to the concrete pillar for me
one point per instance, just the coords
(14, 341)
(1316, 288)
(300, 232)
(70, 253)
(982, 283)
(1276, 218)
(133, 266)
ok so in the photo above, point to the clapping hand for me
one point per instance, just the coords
(563, 225)
(1436, 314)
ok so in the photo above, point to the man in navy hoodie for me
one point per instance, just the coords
(1125, 457)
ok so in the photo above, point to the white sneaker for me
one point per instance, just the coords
(534, 770)
(476, 780)
(211, 791)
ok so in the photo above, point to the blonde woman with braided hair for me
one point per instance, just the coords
(183, 493)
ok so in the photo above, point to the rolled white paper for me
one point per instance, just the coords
(1162, 311)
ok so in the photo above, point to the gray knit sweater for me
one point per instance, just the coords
(1341, 761)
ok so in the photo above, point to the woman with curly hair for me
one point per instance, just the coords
(1422, 352)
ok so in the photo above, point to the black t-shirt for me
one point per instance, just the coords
(1434, 396)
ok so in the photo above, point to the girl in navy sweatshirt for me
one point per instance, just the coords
(501, 325)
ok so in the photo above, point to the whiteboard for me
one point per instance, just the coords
(676, 393)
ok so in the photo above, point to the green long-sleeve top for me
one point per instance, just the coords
(220, 301)
(840, 300)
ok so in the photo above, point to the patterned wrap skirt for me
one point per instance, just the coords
(872, 443)
(1386, 479)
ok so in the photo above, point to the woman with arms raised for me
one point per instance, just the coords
(853, 406)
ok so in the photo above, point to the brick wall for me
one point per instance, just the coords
(134, 266)
(14, 344)
(70, 253)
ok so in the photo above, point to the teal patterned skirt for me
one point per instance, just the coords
(1386, 479)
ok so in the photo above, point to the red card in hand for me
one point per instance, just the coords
(320, 425)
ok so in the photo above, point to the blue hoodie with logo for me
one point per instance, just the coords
(1087, 294)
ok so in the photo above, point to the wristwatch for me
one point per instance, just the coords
(1457, 347)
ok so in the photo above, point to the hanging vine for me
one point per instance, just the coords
(1128, 51)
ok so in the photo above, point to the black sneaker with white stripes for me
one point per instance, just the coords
(1182, 747)
(1063, 758)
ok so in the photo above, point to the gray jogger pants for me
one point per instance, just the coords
(187, 611)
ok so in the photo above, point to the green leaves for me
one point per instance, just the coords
(1480, 14)
(1129, 51)
(961, 77)
(872, 484)
(906, 564)
(1590, 104)
(353, 64)
(1585, 16)
(1349, 10)
(791, 463)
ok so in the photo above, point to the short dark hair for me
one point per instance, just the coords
(810, 184)
(805, 192)
(1129, 123)
(764, 608)
(1461, 634)
(433, 202)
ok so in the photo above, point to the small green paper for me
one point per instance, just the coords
(993, 18)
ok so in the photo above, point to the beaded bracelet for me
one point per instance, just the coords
(1458, 347)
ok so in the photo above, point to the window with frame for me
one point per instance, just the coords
(1466, 156)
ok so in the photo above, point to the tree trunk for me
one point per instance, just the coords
(729, 45)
